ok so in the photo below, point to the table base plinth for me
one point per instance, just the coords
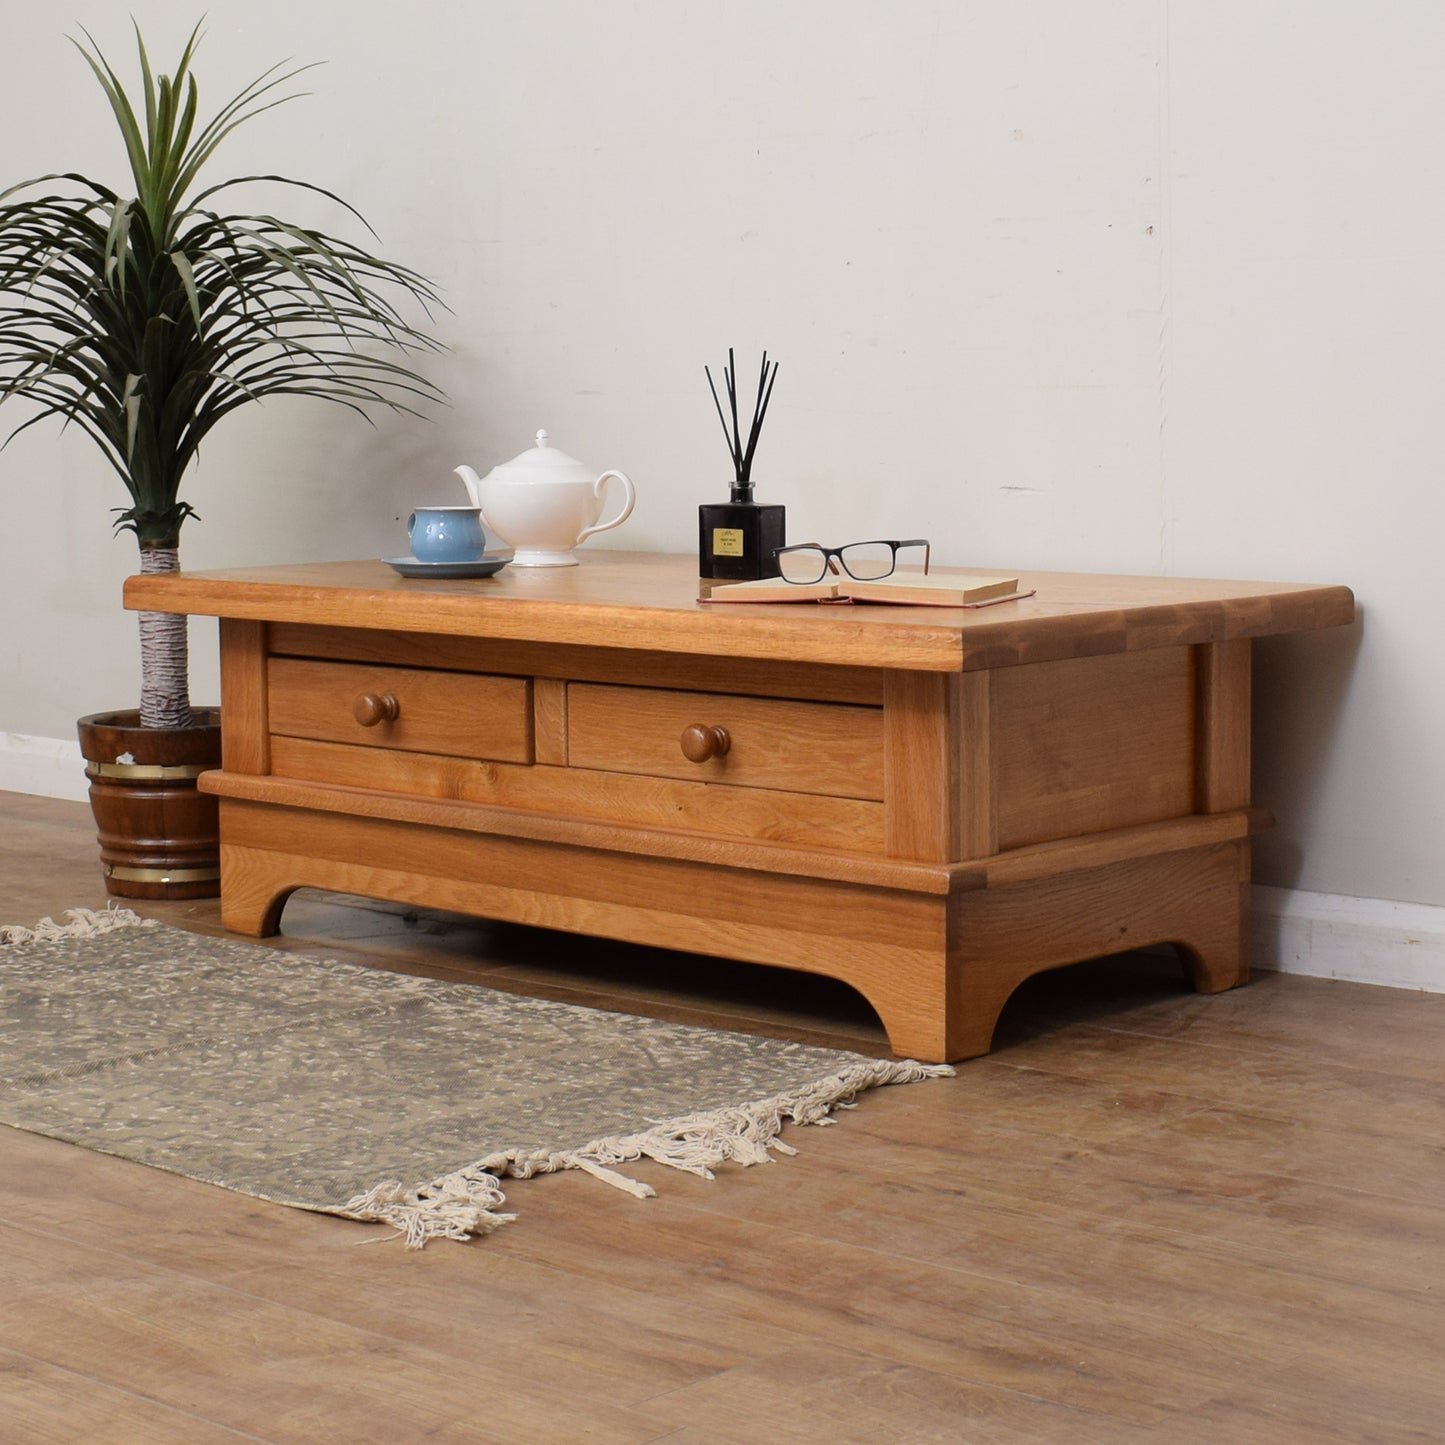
(937, 969)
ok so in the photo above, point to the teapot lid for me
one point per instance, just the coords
(544, 463)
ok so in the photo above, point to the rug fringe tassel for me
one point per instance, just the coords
(457, 1206)
(84, 923)
(465, 1203)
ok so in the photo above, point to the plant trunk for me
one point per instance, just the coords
(165, 698)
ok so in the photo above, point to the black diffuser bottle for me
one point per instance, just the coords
(737, 538)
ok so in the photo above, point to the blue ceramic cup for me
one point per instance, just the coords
(447, 534)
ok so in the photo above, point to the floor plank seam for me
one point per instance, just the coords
(112, 1389)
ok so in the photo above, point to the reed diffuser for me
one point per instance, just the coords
(737, 538)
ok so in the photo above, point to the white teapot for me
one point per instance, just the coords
(544, 503)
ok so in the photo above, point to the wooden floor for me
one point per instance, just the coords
(1146, 1216)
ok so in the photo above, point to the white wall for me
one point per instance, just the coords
(1152, 286)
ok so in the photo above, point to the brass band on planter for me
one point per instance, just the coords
(147, 772)
(162, 875)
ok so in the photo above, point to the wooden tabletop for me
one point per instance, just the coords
(649, 601)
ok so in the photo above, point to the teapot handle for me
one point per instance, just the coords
(629, 501)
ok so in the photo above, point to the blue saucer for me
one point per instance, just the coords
(486, 565)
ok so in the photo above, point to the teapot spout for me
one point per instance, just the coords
(472, 482)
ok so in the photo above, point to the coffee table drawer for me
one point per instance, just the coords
(834, 749)
(411, 710)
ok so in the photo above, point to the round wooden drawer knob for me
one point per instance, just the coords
(699, 743)
(372, 708)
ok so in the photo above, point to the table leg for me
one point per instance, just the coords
(1196, 899)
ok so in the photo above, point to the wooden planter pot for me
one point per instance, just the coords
(159, 836)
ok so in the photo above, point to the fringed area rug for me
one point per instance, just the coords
(374, 1095)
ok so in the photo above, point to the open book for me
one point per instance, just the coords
(960, 589)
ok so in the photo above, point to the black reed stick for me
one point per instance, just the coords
(732, 380)
(743, 455)
(737, 461)
(760, 410)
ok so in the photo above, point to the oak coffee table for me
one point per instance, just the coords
(930, 804)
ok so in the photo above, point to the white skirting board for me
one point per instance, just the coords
(46, 767)
(1365, 940)
(1327, 935)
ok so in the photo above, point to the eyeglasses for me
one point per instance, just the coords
(863, 561)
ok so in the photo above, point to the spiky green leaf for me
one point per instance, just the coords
(146, 321)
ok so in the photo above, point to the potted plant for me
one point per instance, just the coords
(144, 320)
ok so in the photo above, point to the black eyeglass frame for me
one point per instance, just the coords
(830, 552)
